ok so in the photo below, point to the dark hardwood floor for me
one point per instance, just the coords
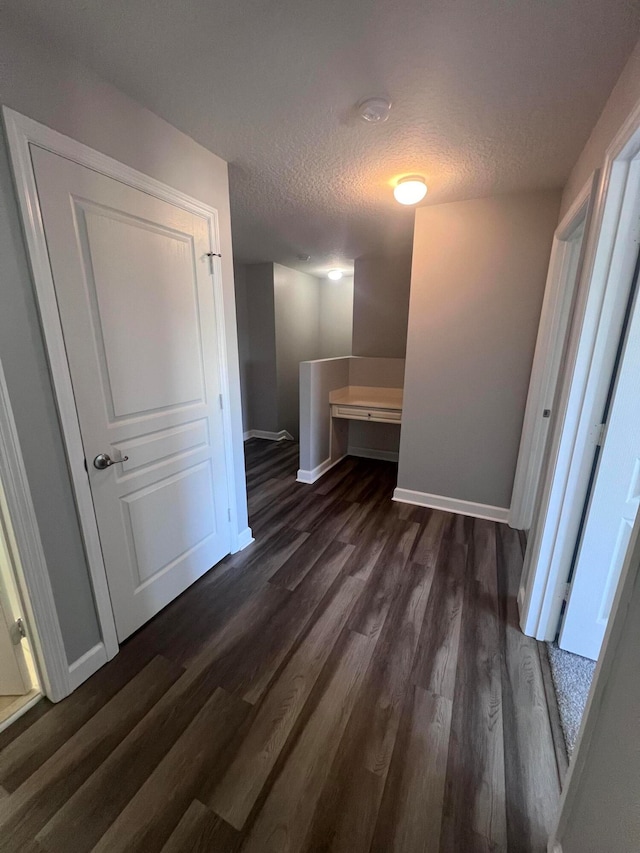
(353, 681)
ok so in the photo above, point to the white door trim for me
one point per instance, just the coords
(21, 133)
(610, 258)
(29, 563)
(559, 294)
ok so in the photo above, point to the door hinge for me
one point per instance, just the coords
(221, 401)
(566, 591)
(601, 433)
(19, 632)
(211, 256)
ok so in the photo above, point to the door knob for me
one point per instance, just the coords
(103, 460)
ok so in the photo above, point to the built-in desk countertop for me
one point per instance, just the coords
(364, 403)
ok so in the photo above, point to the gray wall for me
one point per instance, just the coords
(70, 99)
(297, 304)
(478, 277)
(286, 317)
(317, 380)
(244, 350)
(336, 317)
(623, 98)
(381, 305)
(262, 382)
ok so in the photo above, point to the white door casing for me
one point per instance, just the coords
(565, 265)
(135, 296)
(611, 513)
(610, 258)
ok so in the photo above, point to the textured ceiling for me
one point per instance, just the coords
(488, 96)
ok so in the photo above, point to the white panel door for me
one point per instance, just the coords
(136, 302)
(612, 511)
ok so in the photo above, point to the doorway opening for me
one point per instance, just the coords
(609, 512)
(19, 682)
(590, 490)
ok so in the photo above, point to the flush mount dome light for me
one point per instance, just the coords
(374, 110)
(335, 275)
(410, 190)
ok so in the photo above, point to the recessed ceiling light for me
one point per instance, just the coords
(335, 275)
(410, 190)
(373, 110)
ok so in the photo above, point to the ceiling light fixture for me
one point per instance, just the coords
(410, 190)
(374, 110)
(335, 275)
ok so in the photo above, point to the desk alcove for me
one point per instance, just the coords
(335, 393)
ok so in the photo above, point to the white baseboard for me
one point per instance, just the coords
(491, 513)
(86, 665)
(310, 477)
(282, 435)
(245, 538)
(369, 453)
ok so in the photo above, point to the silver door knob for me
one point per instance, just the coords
(103, 460)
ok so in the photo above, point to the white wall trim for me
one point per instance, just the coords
(370, 453)
(23, 132)
(87, 664)
(608, 270)
(282, 435)
(491, 513)
(310, 477)
(245, 538)
(563, 277)
(30, 566)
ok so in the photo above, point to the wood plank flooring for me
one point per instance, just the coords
(353, 681)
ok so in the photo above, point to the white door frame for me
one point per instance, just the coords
(565, 265)
(28, 560)
(21, 133)
(610, 259)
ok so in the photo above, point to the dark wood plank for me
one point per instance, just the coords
(23, 755)
(46, 790)
(99, 801)
(283, 822)
(474, 804)
(354, 680)
(428, 542)
(196, 757)
(346, 815)
(410, 817)
(531, 770)
(254, 669)
(238, 791)
(369, 615)
(200, 831)
(437, 658)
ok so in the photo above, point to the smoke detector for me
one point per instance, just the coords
(374, 110)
